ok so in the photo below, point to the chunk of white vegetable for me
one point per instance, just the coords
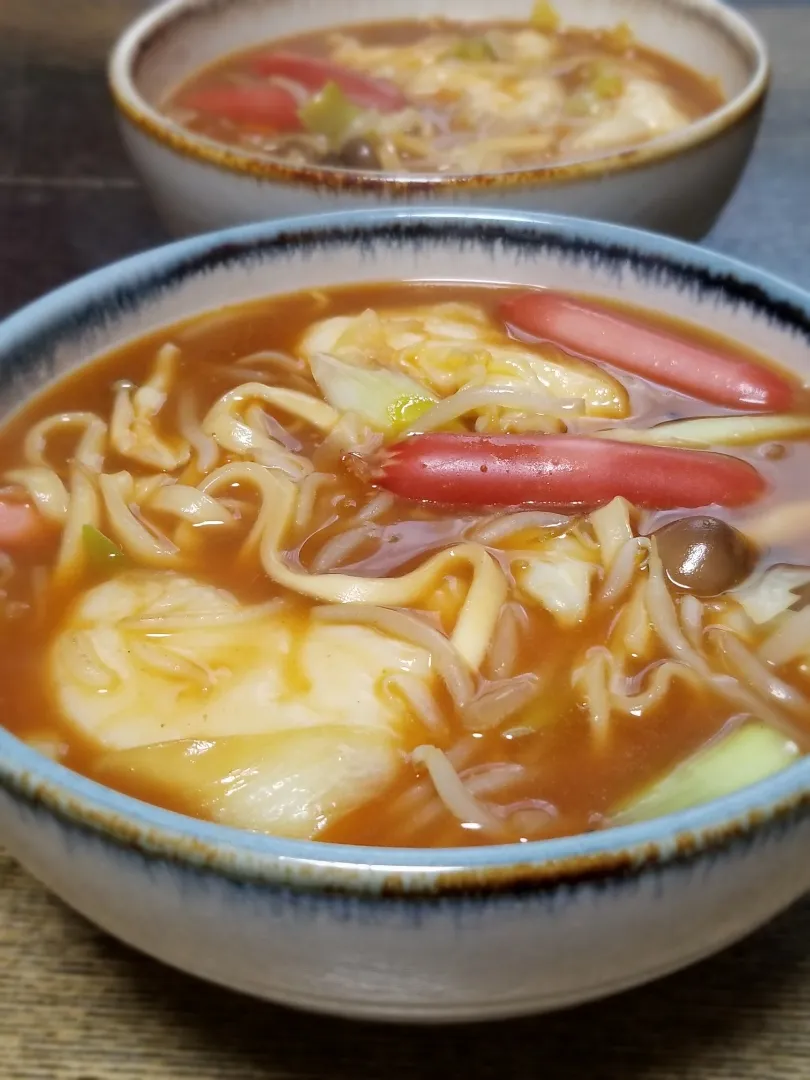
(644, 110)
(292, 783)
(611, 523)
(715, 431)
(750, 753)
(772, 593)
(446, 347)
(152, 657)
(386, 399)
(560, 579)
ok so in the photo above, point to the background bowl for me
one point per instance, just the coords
(676, 184)
(406, 934)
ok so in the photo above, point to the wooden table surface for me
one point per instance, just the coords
(75, 1005)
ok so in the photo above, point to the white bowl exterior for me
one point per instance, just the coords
(409, 959)
(681, 194)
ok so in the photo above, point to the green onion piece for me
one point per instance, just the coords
(603, 80)
(579, 104)
(544, 17)
(476, 49)
(386, 399)
(329, 113)
(101, 552)
(408, 408)
(750, 753)
(619, 38)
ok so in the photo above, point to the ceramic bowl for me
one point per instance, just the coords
(677, 184)
(409, 935)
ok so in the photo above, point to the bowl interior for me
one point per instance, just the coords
(188, 34)
(327, 251)
(158, 288)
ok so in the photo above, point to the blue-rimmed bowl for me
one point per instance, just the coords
(406, 934)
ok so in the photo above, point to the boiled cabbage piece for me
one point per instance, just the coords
(445, 347)
(511, 85)
(257, 717)
(293, 783)
(644, 111)
(560, 578)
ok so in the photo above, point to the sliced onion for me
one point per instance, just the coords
(496, 529)
(500, 701)
(747, 666)
(452, 791)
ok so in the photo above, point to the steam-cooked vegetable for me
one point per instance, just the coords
(779, 525)
(562, 472)
(448, 347)
(603, 79)
(386, 399)
(639, 110)
(773, 592)
(560, 578)
(291, 783)
(545, 17)
(152, 656)
(101, 552)
(751, 753)
(588, 328)
(329, 113)
(718, 431)
(613, 528)
(475, 49)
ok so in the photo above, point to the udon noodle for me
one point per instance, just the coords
(412, 565)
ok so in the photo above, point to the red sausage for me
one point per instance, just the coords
(314, 73)
(267, 106)
(662, 356)
(21, 525)
(562, 472)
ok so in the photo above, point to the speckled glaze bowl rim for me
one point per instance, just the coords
(39, 784)
(136, 40)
